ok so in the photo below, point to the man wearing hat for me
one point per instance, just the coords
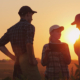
(21, 36)
(77, 21)
(77, 43)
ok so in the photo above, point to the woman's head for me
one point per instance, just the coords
(55, 31)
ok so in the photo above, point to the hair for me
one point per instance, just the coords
(22, 15)
(49, 38)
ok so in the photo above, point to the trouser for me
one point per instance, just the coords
(17, 70)
(28, 71)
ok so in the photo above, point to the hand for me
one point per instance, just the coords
(33, 62)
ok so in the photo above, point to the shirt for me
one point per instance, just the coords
(19, 35)
(56, 64)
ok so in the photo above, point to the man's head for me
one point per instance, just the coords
(55, 31)
(26, 12)
(77, 21)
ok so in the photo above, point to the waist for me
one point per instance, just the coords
(21, 57)
(18, 50)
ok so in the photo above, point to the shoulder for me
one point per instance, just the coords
(65, 45)
(46, 45)
(14, 26)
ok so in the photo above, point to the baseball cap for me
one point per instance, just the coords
(77, 19)
(25, 9)
(56, 27)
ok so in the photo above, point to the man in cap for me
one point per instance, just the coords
(77, 43)
(21, 36)
(77, 21)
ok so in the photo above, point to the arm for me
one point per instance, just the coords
(30, 51)
(44, 59)
(66, 54)
(4, 40)
(30, 30)
(6, 52)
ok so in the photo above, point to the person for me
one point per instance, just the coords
(56, 55)
(21, 37)
(77, 23)
(77, 43)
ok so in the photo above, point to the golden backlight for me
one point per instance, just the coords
(73, 35)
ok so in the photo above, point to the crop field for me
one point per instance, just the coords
(6, 68)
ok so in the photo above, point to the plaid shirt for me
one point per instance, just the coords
(55, 64)
(19, 35)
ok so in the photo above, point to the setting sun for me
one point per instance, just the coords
(73, 35)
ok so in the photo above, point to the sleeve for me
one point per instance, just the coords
(67, 57)
(43, 55)
(4, 39)
(30, 31)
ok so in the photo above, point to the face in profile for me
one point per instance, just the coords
(56, 34)
(29, 16)
(78, 25)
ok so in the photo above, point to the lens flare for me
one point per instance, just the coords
(73, 35)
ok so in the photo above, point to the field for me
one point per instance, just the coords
(6, 68)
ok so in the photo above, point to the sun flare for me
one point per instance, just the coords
(73, 35)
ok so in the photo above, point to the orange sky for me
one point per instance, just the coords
(50, 12)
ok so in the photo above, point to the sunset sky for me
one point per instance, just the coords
(49, 12)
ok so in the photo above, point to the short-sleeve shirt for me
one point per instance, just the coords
(19, 35)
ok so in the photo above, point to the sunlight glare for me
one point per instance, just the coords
(73, 35)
